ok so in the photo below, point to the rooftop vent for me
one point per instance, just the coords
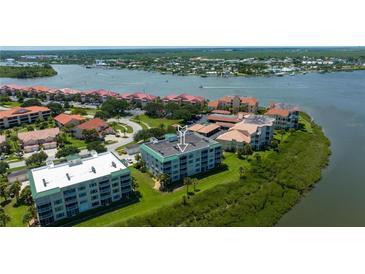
(114, 164)
(68, 176)
(153, 140)
(93, 169)
(44, 182)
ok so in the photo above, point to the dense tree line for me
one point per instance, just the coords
(27, 72)
(171, 110)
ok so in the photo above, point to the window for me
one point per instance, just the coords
(57, 202)
(69, 191)
(83, 194)
(115, 190)
(81, 188)
(59, 208)
(83, 202)
(94, 197)
(116, 197)
(115, 184)
(92, 185)
(95, 203)
(93, 191)
(60, 215)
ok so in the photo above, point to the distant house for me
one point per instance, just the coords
(32, 140)
(68, 120)
(256, 130)
(286, 115)
(101, 93)
(184, 99)
(12, 89)
(100, 126)
(138, 98)
(23, 115)
(235, 103)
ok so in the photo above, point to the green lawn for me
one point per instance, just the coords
(156, 122)
(16, 213)
(152, 199)
(121, 127)
(10, 104)
(81, 144)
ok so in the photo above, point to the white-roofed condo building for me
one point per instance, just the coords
(67, 189)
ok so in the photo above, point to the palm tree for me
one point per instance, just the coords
(15, 189)
(27, 218)
(195, 182)
(164, 180)
(4, 219)
(247, 149)
(187, 182)
(4, 190)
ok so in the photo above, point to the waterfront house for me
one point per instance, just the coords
(256, 130)
(286, 115)
(139, 98)
(184, 99)
(235, 103)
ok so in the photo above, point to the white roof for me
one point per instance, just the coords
(55, 176)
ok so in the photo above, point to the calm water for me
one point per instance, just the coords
(336, 101)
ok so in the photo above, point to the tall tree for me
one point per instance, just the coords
(187, 183)
(4, 190)
(4, 218)
(15, 189)
(4, 166)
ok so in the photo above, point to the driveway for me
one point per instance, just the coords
(123, 141)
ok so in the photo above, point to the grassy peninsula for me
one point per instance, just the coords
(270, 187)
(273, 181)
(27, 72)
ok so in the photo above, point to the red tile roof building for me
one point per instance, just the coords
(68, 120)
(256, 130)
(286, 115)
(223, 118)
(23, 115)
(138, 97)
(184, 99)
(32, 140)
(101, 127)
(235, 103)
(206, 130)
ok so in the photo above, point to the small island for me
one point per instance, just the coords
(26, 72)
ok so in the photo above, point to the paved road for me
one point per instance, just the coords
(123, 141)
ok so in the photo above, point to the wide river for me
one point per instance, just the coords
(336, 101)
